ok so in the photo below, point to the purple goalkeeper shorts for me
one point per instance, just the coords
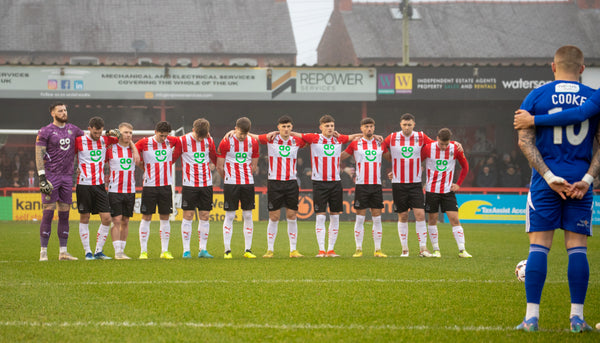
(63, 189)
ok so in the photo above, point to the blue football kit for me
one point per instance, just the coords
(567, 151)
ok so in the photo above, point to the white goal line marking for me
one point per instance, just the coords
(263, 281)
(305, 326)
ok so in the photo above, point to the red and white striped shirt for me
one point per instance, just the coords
(406, 155)
(283, 155)
(122, 169)
(92, 156)
(367, 155)
(440, 166)
(238, 159)
(158, 158)
(325, 155)
(196, 156)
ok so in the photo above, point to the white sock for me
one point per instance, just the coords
(248, 229)
(62, 249)
(117, 246)
(576, 310)
(228, 229)
(377, 232)
(403, 234)
(84, 234)
(359, 231)
(292, 233)
(320, 229)
(533, 310)
(421, 228)
(44, 249)
(433, 235)
(203, 230)
(101, 237)
(186, 234)
(165, 234)
(334, 227)
(271, 234)
(459, 236)
(144, 234)
(123, 243)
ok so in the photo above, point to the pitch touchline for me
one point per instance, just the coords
(160, 282)
(305, 326)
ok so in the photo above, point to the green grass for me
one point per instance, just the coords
(328, 300)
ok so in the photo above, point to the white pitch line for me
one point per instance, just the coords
(264, 281)
(306, 326)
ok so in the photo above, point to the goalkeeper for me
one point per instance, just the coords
(54, 156)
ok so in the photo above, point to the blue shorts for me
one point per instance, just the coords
(547, 211)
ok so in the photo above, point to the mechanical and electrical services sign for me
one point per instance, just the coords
(184, 83)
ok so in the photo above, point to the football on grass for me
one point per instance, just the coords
(520, 270)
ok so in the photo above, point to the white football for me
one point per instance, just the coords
(520, 270)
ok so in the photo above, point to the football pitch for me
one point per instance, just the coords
(310, 299)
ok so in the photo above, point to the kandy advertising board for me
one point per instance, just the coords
(28, 206)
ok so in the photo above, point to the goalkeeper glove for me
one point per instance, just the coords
(45, 185)
(114, 133)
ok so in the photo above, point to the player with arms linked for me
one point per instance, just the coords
(282, 182)
(237, 159)
(197, 151)
(158, 153)
(91, 190)
(121, 187)
(367, 152)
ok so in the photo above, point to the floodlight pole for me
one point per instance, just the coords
(405, 6)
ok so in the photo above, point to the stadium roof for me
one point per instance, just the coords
(471, 31)
(153, 26)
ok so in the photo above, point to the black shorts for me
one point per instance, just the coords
(368, 196)
(234, 194)
(328, 192)
(193, 198)
(92, 199)
(407, 196)
(121, 204)
(161, 196)
(282, 194)
(435, 201)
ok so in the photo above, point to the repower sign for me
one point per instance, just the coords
(460, 83)
(325, 84)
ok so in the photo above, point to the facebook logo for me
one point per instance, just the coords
(65, 84)
(78, 84)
